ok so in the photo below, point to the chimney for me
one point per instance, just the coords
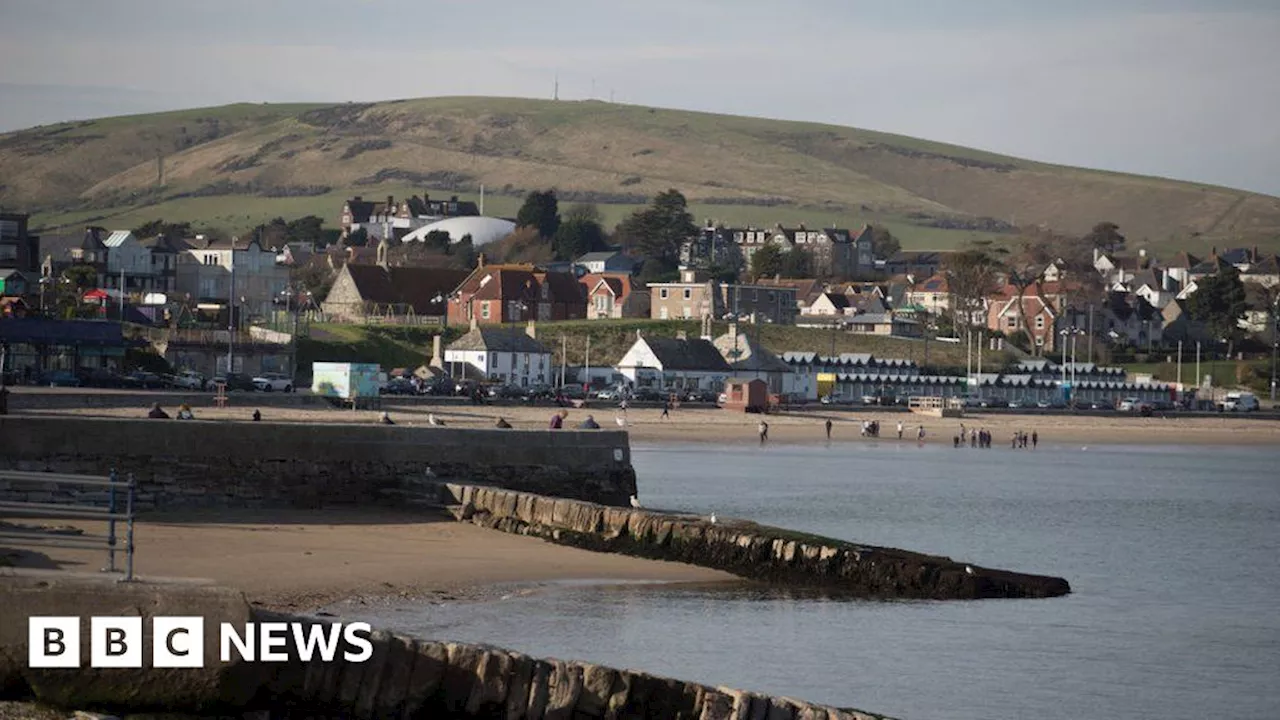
(437, 357)
(357, 198)
(453, 198)
(480, 260)
(1255, 254)
(1214, 251)
(532, 330)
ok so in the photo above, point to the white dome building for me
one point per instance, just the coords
(483, 230)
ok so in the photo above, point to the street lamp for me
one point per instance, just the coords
(1275, 342)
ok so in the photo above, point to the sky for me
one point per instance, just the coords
(1188, 89)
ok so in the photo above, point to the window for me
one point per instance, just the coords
(484, 310)
(688, 293)
(662, 312)
(1039, 322)
(1011, 322)
(662, 293)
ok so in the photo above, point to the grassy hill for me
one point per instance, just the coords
(234, 166)
(394, 347)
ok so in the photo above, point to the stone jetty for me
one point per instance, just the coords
(745, 549)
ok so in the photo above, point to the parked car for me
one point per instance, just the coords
(268, 382)
(1129, 404)
(1019, 403)
(1240, 402)
(60, 378)
(145, 380)
(538, 392)
(190, 380)
(571, 392)
(102, 378)
(700, 396)
(646, 395)
(236, 381)
(398, 386)
(607, 394)
(506, 392)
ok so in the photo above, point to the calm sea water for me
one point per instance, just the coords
(1172, 554)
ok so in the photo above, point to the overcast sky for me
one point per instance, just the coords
(1181, 88)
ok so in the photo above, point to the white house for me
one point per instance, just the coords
(609, 261)
(674, 363)
(127, 257)
(213, 272)
(504, 355)
(748, 358)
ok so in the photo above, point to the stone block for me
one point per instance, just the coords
(461, 674)
(597, 689)
(564, 687)
(492, 683)
(429, 665)
(375, 668)
(520, 684)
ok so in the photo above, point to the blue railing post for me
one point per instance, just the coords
(111, 523)
(128, 575)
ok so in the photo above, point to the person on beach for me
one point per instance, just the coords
(899, 429)
(1035, 439)
(920, 434)
(828, 424)
(666, 410)
(557, 420)
(257, 416)
(763, 429)
(184, 413)
(955, 441)
(589, 424)
(502, 423)
(386, 419)
(157, 413)
(973, 438)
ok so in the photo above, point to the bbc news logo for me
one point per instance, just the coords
(178, 642)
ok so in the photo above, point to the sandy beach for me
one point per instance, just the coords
(305, 559)
(721, 426)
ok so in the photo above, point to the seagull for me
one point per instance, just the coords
(433, 420)
(968, 569)
(429, 472)
(622, 422)
(635, 503)
(713, 518)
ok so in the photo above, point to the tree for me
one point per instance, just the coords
(160, 227)
(766, 261)
(971, 276)
(1106, 236)
(1219, 302)
(580, 232)
(883, 244)
(1025, 268)
(358, 238)
(797, 263)
(657, 232)
(541, 210)
(307, 229)
(437, 240)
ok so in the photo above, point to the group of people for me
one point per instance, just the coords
(184, 413)
(981, 438)
(1020, 440)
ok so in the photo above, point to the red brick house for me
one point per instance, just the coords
(494, 294)
(1005, 314)
(614, 295)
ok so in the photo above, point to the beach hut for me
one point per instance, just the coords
(746, 394)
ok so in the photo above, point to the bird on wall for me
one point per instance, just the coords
(635, 502)
(713, 518)
(622, 422)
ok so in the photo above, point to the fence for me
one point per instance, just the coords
(71, 510)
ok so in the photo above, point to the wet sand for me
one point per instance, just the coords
(306, 559)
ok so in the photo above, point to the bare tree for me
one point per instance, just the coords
(971, 275)
(1024, 268)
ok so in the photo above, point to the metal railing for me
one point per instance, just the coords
(111, 514)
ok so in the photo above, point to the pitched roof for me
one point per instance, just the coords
(416, 287)
(677, 354)
(620, 285)
(164, 243)
(117, 238)
(936, 283)
(752, 355)
(601, 256)
(59, 247)
(491, 339)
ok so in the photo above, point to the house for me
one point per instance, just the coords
(495, 294)
(296, 254)
(917, 264)
(14, 283)
(887, 323)
(401, 218)
(1264, 272)
(1034, 312)
(712, 246)
(509, 356)
(747, 357)
(615, 295)
(834, 252)
(219, 274)
(674, 364)
(363, 291)
(807, 290)
(933, 294)
(694, 297)
(610, 261)
(828, 304)
(164, 252)
(19, 249)
(1128, 320)
(128, 267)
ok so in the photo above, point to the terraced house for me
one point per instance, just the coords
(495, 294)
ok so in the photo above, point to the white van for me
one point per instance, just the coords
(1240, 402)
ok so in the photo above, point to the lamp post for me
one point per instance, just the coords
(1275, 342)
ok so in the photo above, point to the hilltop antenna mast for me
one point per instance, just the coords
(159, 167)
(555, 94)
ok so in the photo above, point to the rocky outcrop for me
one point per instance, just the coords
(404, 678)
(743, 548)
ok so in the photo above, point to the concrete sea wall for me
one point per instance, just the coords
(180, 464)
(405, 677)
(745, 549)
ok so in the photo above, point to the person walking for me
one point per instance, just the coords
(899, 429)
(763, 429)
(666, 410)
(1035, 439)
(828, 424)
(920, 434)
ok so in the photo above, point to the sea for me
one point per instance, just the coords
(1172, 552)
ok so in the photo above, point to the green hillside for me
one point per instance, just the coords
(232, 167)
